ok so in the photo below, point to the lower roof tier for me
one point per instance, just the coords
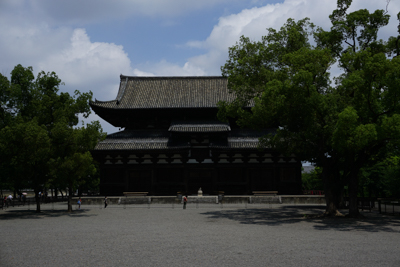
(165, 140)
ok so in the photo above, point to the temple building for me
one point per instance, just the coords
(173, 142)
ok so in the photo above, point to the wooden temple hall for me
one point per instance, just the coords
(172, 142)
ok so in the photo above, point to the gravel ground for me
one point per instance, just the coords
(201, 235)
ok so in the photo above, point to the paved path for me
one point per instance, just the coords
(202, 235)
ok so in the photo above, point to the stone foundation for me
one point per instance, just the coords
(280, 199)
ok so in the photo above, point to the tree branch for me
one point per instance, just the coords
(387, 4)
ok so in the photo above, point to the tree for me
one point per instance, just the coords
(24, 153)
(27, 103)
(74, 165)
(337, 126)
(312, 180)
(380, 177)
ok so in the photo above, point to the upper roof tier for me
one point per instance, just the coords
(168, 92)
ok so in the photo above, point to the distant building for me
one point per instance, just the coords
(173, 142)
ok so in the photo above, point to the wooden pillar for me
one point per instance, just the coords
(276, 175)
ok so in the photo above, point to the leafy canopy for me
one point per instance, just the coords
(40, 143)
(337, 122)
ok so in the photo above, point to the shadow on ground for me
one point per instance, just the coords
(372, 221)
(32, 214)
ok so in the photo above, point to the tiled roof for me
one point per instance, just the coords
(199, 126)
(241, 139)
(159, 140)
(139, 140)
(169, 92)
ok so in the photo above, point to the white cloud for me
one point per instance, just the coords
(137, 72)
(165, 68)
(253, 23)
(249, 22)
(39, 34)
(89, 66)
(81, 64)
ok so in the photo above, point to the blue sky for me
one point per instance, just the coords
(89, 43)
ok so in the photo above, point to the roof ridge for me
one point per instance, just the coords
(169, 77)
(100, 101)
(122, 88)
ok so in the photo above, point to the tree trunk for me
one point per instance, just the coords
(333, 191)
(353, 191)
(70, 198)
(353, 185)
(37, 198)
(332, 198)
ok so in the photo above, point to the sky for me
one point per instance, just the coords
(89, 43)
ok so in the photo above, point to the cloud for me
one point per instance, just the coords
(89, 65)
(50, 35)
(249, 22)
(78, 12)
(253, 23)
(81, 64)
(137, 72)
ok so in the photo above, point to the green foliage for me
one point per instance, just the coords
(349, 136)
(312, 180)
(382, 179)
(24, 153)
(337, 126)
(73, 165)
(391, 182)
(41, 143)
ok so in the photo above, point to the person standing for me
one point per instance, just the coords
(79, 203)
(10, 198)
(105, 202)
(184, 202)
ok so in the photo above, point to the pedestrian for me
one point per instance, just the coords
(184, 202)
(10, 198)
(79, 203)
(105, 202)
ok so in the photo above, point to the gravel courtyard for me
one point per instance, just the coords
(201, 235)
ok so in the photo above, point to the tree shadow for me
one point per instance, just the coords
(372, 221)
(32, 214)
